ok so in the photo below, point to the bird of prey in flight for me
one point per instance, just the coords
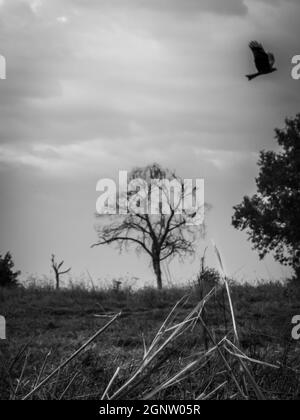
(264, 61)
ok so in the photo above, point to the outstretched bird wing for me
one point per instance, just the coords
(261, 58)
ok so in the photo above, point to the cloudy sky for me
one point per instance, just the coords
(98, 86)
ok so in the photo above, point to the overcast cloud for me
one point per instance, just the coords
(98, 86)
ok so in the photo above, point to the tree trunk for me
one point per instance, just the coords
(57, 281)
(157, 271)
(296, 263)
(297, 272)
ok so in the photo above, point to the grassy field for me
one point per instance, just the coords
(45, 327)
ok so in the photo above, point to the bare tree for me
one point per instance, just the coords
(168, 231)
(56, 268)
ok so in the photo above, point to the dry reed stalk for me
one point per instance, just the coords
(224, 276)
(260, 396)
(110, 384)
(228, 367)
(236, 335)
(19, 380)
(157, 347)
(242, 355)
(175, 379)
(161, 329)
(66, 362)
(42, 369)
(68, 386)
(204, 397)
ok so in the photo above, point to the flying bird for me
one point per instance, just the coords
(264, 61)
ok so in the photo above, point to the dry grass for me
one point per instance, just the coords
(136, 355)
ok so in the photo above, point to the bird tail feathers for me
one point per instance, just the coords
(251, 76)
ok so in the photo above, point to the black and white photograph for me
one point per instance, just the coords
(149, 203)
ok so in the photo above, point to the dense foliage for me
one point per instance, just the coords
(271, 217)
(8, 277)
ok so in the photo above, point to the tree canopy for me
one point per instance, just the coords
(8, 277)
(271, 217)
(160, 234)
